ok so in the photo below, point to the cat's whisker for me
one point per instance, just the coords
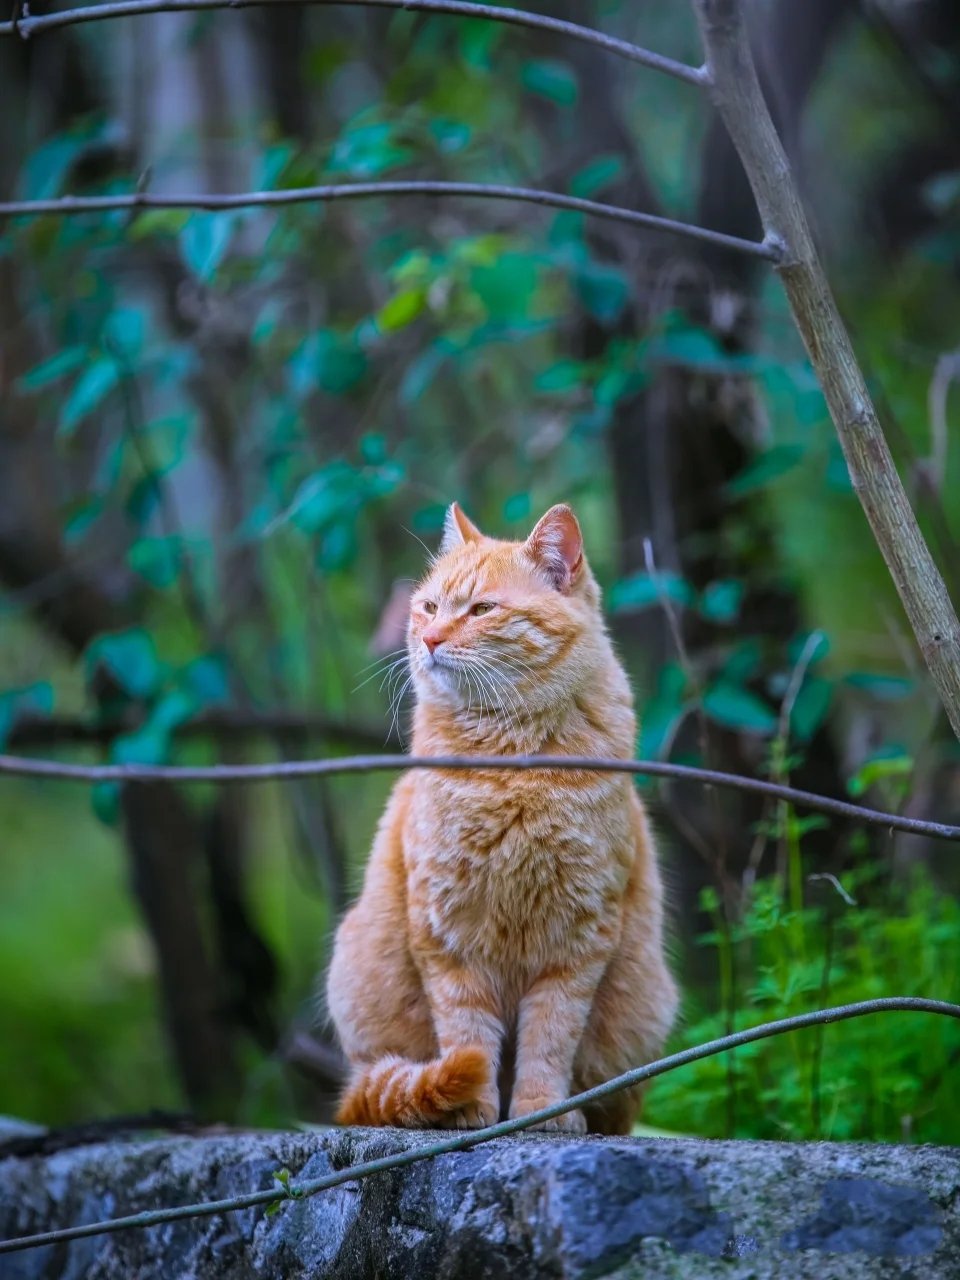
(382, 665)
(499, 688)
(393, 674)
(383, 657)
(516, 666)
(504, 685)
(396, 704)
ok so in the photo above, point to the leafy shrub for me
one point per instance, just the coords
(888, 1077)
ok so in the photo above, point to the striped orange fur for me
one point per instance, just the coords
(415, 1094)
(507, 948)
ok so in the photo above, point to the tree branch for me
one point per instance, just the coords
(737, 95)
(468, 1141)
(24, 27)
(21, 766)
(66, 206)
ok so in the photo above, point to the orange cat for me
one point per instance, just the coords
(507, 948)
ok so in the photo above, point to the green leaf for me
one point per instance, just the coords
(506, 287)
(147, 745)
(743, 662)
(810, 707)
(884, 688)
(154, 222)
(169, 441)
(596, 175)
(124, 331)
(421, 372)
(617, 383)
(94, 384)
(373, 449)
(273, 162)
(208, 681)
(327, 361)
(693, 348)
(562, 376)
(204, 241)
(737, 708)
(34, 700)
(130, 657)
(552, 79)
(662, 713)
(402, 309)
(145, 497)
(368, 149)
(890, 763)
(720, 601)
(326, 496)
(105, 802)
(603, 290)
(338, 548)
(46, 169)
(157, 560)
(50, 371)
(173, 709)
(450, 135)
(769, 466)
(81, 520)
(641, 590)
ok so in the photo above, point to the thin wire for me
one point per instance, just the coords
(24, 27)
(26, 767)
(137, 201)
(475, 1138)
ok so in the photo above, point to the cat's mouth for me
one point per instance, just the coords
(445, 670)
(439, 663)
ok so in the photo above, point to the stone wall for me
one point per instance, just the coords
(518, 1208)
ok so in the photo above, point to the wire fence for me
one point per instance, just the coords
(24, 25)
(223, 774)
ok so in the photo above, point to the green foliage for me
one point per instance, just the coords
(36, 700)
(245, 411)
(738, 708)
(867, 1079)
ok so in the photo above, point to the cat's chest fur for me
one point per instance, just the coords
(510, 871)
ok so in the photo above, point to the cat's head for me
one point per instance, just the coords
(503, 624)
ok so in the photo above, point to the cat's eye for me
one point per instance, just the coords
(480, 608)
(429, 606)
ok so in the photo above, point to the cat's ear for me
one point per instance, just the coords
(556, 545)
(457, 529)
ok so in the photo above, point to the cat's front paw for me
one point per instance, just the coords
(569, 1122)
(476, 1115)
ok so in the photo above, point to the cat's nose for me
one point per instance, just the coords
(431, 638)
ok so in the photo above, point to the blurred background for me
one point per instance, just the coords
(226, 437)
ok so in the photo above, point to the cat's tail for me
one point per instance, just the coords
(396, 1091)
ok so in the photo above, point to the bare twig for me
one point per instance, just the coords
(737, 95)
(137, 201)
(831, 879)
(24, 25)
(312, 1187)
(24, 767)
